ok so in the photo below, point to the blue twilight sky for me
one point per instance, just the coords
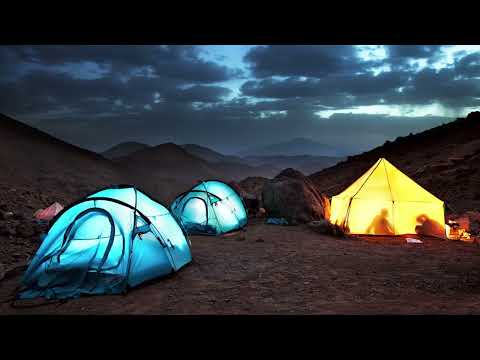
(231, 97)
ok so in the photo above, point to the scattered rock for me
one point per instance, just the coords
(10, 232)
(5, 215)
(327, 228)
(240, 238)
(470, 221)
(25, 230)
(474, 219)
(261, 212)
(19, 216)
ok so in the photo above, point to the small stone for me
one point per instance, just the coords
(19, 216)
(261, 212)
(28, 232)
(5, 215)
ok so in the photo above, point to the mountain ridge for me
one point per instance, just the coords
(293, 147)
(445, 160)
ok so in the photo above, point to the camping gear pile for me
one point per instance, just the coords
(457, 231)
(277, 221)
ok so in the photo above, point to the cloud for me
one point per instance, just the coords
(98, 96)
(43, 91)
(332, 88)
(234, 126)
(400, 55)
(303, 60)
(468, 66)
(198, 93)
(177, 62)
(429, 86)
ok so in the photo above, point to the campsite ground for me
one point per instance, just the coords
(291, 270)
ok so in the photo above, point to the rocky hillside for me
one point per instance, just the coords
(35, 162)
(36, 170)
(445, 160)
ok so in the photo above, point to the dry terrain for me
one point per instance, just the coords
(272, 269)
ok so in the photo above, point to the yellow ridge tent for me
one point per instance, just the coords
(384, 201)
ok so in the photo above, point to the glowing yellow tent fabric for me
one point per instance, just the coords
(384, 201)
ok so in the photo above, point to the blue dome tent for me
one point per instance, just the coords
(211, 207)
(108, 241)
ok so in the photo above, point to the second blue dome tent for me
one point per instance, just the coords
(211, 207)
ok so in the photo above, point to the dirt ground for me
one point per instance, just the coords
(272, 269)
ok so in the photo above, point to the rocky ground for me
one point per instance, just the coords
(272, 269)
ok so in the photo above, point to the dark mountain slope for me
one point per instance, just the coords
(445, 160)
(123, 149)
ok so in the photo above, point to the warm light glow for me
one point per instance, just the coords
(384, 201)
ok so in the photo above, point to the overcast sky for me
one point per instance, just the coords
(233, 97)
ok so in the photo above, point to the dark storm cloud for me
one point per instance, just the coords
(177, 62)
(155, 94)
(429, 86)
(302, 60)
(97, 96)
(42, 91)
(198, 93)
(237, 126)
(468, 66)
(454, 87)
(340, 85)
(399, 54)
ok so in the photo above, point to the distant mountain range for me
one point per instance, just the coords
(39, 163)
(294, 147)
(307, 164)
(211, 155)
(124, 149)
(445, 160)
(235, 167)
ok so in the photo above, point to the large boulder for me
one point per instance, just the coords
(253, 185)
(293, 196)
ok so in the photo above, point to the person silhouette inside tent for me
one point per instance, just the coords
(380, 224)
(429, 226)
